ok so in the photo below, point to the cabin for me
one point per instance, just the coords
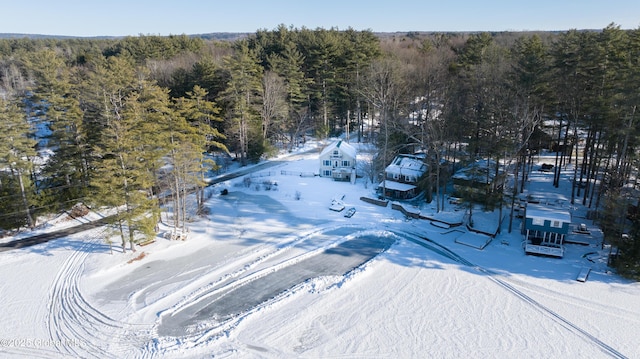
(401, 177)
(338, 161)
(482, 176)
(545, 228)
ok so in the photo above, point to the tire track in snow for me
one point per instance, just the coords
(251, 264)
(575, 301)
(557, 317)
(80, 329)
(495, 277)
(206, 331)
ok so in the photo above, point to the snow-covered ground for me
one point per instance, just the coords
(220, 293)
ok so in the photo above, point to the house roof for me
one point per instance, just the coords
(396, 186)
(548, 213)
(407, 165)
(544, 198)
(479, 171)
(343, 146)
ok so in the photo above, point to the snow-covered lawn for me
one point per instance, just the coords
(435, 298)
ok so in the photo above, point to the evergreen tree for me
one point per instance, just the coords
(244, 92)
(126, 150)
(360, 49)
(195, 120)
(65, 175)
(527, 81)
(17, 148)
(288, 66)
(322, 51)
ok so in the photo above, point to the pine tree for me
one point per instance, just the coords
(17, 148)
(322, 52)
(244, 92)
(66, 172)
(528, 83)
(127, 149)
(360, 48)
(288, 66)
(193, 133)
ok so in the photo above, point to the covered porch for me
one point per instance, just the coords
(544, 243)
(397, 190)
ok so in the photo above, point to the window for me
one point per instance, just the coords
(537, 221)
(327, 173)
(556, 224)
(326, 163)
(345, 163)
(336, 153)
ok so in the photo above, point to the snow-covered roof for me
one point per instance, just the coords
(343, 146)
(548, 213)
(549, 198)
(407, 165)
(478, 171)
(397, 186)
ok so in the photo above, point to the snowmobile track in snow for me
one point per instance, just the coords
(80, 329)
(495, 277)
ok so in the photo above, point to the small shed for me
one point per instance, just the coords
(545, 229)
(338, 161)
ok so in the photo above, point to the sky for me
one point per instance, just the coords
(166, 17)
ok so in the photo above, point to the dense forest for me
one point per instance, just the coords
(129, 122)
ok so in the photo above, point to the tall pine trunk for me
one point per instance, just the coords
(25, 202)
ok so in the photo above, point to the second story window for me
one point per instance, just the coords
(537, 221)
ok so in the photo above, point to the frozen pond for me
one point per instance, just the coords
(225, 305)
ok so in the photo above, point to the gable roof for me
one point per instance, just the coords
(342, 146)
(548, 213)
(407, 165)
(482, 171)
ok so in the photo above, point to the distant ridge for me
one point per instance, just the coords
(41, 36)
(233, 36)
(224, 36)
(221, 36)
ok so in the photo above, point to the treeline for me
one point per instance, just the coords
(131, 119)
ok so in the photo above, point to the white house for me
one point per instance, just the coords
(338, 161)
(402, 175)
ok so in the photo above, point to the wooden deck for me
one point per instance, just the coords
(544, 250)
